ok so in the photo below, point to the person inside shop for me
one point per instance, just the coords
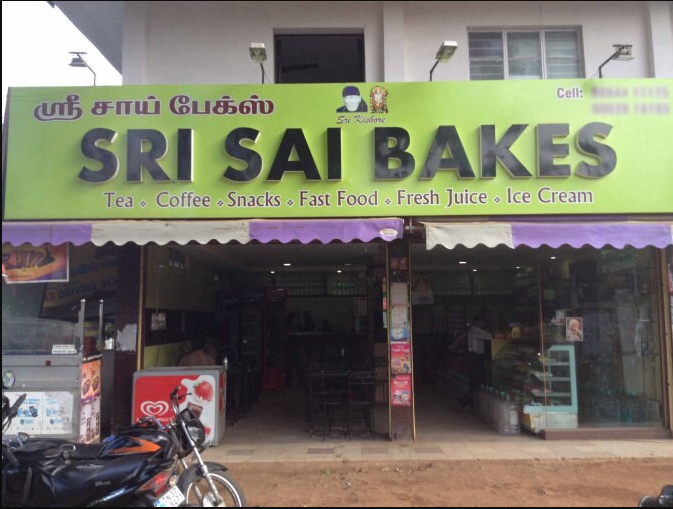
(309, 324)
(291, 323)
(476, 337)
(325, 326)
(203, 354)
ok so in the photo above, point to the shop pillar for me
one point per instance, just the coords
(402, 424)
(120, 363)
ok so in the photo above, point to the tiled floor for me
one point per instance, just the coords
(275, 430)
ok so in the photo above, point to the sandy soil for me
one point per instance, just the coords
(529, 483)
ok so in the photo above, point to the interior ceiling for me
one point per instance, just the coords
(358, 255)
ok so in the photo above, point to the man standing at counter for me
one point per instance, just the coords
(476, 347)
(202, 355)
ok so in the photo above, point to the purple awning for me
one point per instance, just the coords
(536, 234)
(45, 233)
(617, 235)
(326, 230)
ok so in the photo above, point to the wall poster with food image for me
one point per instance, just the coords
(35, 264)
(89, 428)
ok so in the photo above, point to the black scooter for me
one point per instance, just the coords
(136, 468)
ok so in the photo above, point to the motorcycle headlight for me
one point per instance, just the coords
(194, 427)
(198, 434)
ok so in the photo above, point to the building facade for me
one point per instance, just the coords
(525, 180)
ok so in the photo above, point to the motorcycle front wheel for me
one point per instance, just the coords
(197, 493)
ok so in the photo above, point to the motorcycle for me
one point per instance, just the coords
(204, 484)
(137, 467)
(664, 499)
(140, 448)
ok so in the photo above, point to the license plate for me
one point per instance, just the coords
(172, 498)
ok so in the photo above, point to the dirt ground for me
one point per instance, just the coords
(527, 483)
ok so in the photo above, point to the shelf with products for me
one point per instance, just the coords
(250, 323)
(544, 385)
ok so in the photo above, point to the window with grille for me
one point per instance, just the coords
(524, 54)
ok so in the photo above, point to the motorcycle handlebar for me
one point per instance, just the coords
(15, 407)
(175, 399)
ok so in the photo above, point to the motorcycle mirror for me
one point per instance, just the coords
(8, 379)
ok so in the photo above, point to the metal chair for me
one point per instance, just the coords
(361, 400)
(326, 403)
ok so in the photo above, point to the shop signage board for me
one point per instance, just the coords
(264, 151)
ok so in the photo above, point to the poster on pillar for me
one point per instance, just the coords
(400, 390)
(400, 329)
(399, 268)
(400, 358)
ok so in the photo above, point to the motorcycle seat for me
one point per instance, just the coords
(45, 451)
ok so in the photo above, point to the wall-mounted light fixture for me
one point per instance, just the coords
(444, 53)
(78, 61)
(622, 52)
(258, 54)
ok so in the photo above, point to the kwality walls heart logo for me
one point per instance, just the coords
(155, 408)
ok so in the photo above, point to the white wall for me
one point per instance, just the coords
(602, 24)
(207, 42)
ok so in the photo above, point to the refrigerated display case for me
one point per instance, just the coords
(545, 386)
(61, 379)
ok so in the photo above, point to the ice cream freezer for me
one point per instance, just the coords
(205, 389)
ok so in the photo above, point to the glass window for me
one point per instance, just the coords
(523, 55)
(530, 54)
(320, 58)
(562, 55)
(486, 62)
(602, 304)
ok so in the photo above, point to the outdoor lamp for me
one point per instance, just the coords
(258, 54)
(623, 52)
(78, 61)
(444, 53)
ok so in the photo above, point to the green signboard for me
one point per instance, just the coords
(340, 150)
